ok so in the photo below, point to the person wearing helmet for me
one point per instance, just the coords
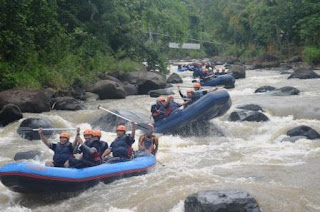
(171, 105)
(121, 147)
(90, 149)
(149, 142)
(196, 86)
(158, 110)
(63, 150)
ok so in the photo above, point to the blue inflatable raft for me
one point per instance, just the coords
(211, 105)
(227, 80)
(26, 177)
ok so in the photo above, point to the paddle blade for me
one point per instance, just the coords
(146, 128)
(154, 95)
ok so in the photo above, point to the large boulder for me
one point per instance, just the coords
(33, 154)
(108, 122)
(66, 103)
(238, 71)
(160, 92)
(145, 80)
(304, 75)
(304, 131)
(174, 78)
(9, 113)
(252, 107)
(252, 116)
(90, 97)
(267, 60)
(107, 89)
(265, 89)
(26, 126)
(285, 91)
(227, 200)
(32, 101)
(131, 89)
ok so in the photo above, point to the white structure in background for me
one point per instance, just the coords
(184, 46)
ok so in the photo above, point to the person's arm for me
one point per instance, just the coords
(141, 143)
(156, 143)
(133, 129)
(106, 152)
(76, 139)
(90, 149)
(43, 138)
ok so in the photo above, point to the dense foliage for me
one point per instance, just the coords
(58, 42)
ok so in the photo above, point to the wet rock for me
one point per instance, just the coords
(9, 113)
(221, 200)
(238, 71)
(267, 60)
(90, 97)
(265, 89)
(174, 78)
(159, 92)
(66, 103)
(252, 107)
(131, 89)
(33, 154)
(295, 59)
(285, 91)
(32, 101)
(107, 89)
(293, 139)
(252, 116)
(304, 131)
(34, 123)
(108, 122)
(304, 75)
(145, 80)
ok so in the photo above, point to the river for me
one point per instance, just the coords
(281, 176)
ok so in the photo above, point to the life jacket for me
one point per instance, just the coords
(93, 157)
(62, 153)
(171, 107)
(158, 111)
(121, 146)
(198, 94)
(149, 143)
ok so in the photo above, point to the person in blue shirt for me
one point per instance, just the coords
(63, 150)
(121, 147)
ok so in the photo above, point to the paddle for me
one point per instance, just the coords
(144, 127)
(28, 129)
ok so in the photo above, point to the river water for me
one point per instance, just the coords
(281, 176)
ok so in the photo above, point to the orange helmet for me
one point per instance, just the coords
(161, 98)
(196, 85)
(121, 128)
(96, 133)
(65, 135)
(152, 127)
(87, 132)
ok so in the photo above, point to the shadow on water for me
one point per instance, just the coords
(42, 199)
(200, 128)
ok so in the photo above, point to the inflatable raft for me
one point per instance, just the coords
(26, 177)
(227, 80)
(211, 105)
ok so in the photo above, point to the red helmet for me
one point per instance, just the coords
(161, 98)
(96, 133)
(121, 128)
(197, 85)
(87, 132)
(65, 135)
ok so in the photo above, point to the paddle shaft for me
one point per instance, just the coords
(45, 129)
(144, 126)
(99, 107)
